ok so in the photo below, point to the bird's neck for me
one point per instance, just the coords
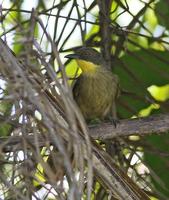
(87, 67)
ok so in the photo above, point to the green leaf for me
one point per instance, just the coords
(160, 93)
(162, 13)
(151, 19)
(137, 72)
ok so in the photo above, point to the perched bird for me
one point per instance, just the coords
(97, 88)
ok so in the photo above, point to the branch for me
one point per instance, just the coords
(105, 31)
(157, 124)
(140, 126)
(111, 176)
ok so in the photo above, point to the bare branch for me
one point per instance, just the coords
(156, 124)
(141, 126)
(104, 7)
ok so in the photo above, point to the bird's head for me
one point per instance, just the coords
(87, 58)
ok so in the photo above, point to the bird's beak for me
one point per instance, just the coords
(72, 56)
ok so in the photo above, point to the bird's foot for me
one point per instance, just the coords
(114, 121)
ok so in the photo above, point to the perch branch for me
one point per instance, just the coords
(140, 126)
(155, 124)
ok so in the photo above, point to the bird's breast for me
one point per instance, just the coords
(95, 94)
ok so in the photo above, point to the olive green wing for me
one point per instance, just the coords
(76, 89)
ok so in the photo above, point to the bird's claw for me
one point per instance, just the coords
(115, 122)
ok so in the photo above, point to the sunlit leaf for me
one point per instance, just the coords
(160, 93)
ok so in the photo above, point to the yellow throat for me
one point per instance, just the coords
(86, 66)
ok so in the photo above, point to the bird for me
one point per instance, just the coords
(97, 88)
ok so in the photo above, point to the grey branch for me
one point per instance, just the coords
(155, 124)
